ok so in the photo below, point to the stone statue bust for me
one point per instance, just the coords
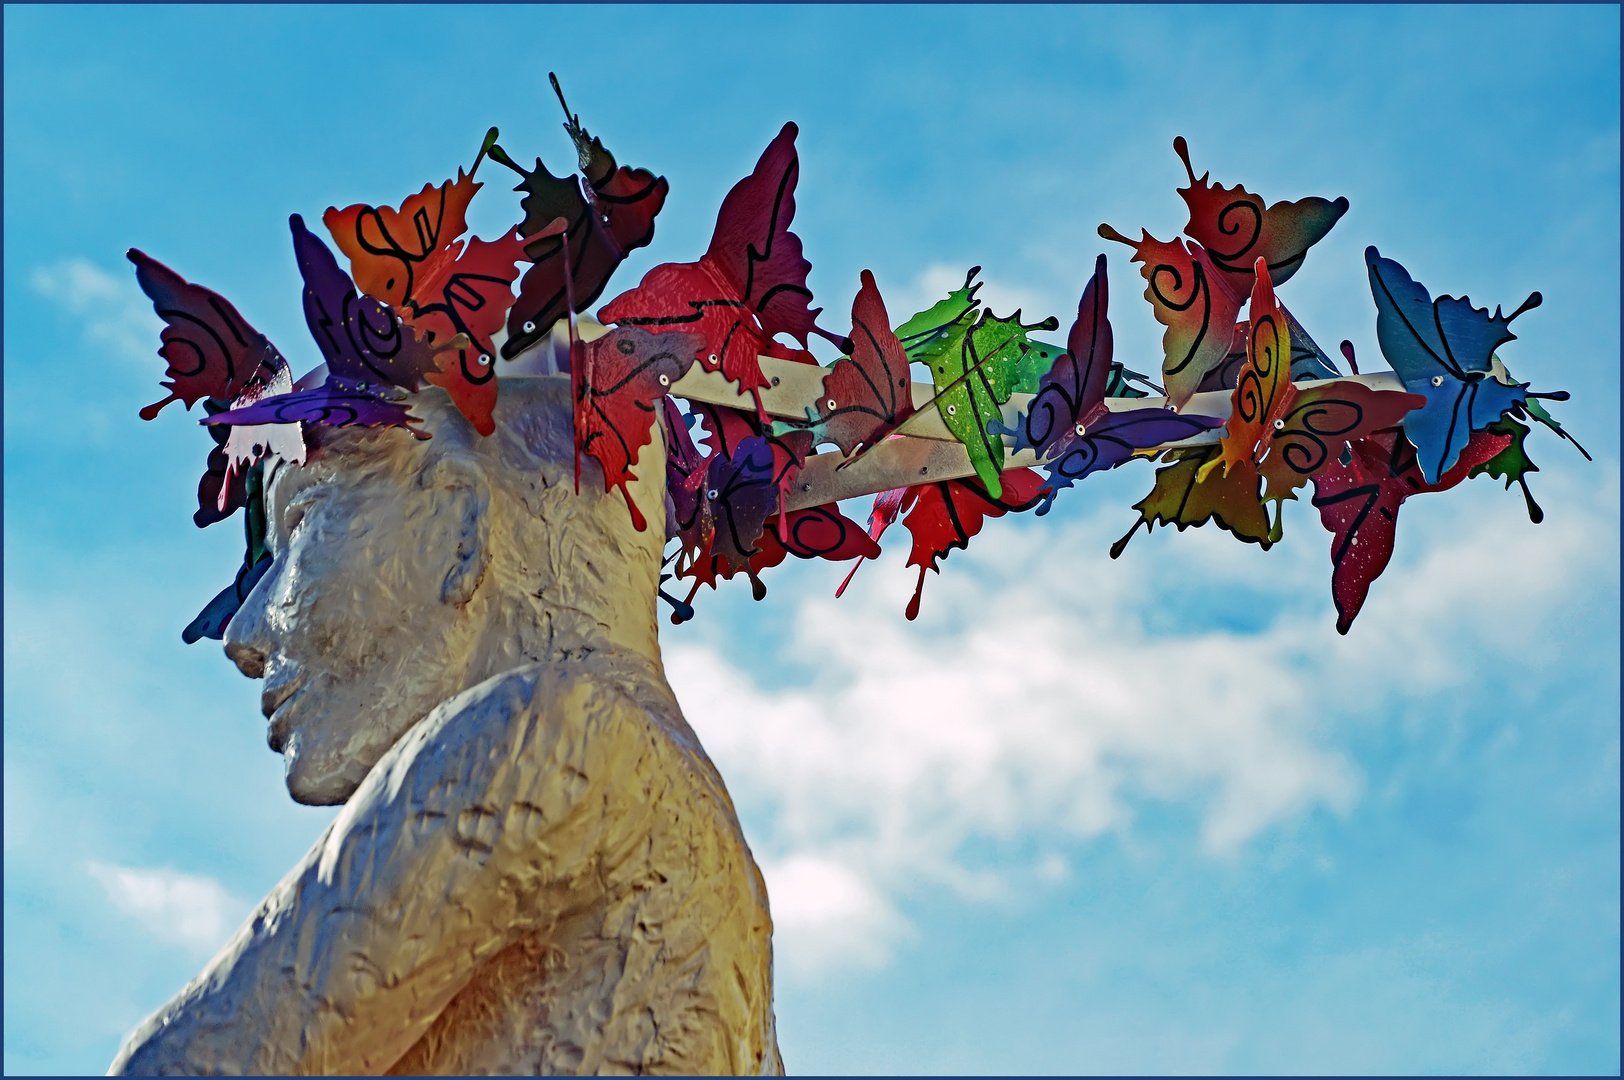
(537, 869)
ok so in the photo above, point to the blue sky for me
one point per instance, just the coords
(1134, 816)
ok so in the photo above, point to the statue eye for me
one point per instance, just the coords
(1279, 425)
(665, 380)
(1081, 431)
(298, 507)
(530, 328)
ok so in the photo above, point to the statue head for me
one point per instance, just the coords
(406, 570)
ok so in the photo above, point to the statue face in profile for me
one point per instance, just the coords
(362, 624)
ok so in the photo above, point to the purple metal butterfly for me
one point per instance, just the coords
(1067, 422)
(371, 354)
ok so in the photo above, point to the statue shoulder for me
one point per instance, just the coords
(547, 730)
(601, 696)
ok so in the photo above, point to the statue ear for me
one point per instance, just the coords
(468, 506)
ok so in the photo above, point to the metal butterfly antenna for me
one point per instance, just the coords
(572, 122)
(484, 148)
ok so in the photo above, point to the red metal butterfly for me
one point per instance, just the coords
(944, 515)
(618, 390)
(212, 354)
(750, 284)
(211, 350)
(415, 260)
(1284, 434)
(867, 394)
(1358, 502)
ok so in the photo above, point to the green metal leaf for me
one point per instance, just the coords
(1512, 463)
(940, 327)
(1537, 411)
(973, 380)
(254, 523)
(1035, 364)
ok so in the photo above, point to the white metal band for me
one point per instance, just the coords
(922, 450)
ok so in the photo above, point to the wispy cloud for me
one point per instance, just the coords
(187, 910)
(1029, 707)
(998, 292)
(112, 309)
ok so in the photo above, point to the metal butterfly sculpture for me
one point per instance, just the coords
(1198, 286)
(1252, 410)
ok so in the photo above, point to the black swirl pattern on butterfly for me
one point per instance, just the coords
(1200, 289)
(1314, 428)
(336, 403)
(1235, 218)
(1252, 400)
(818, 532)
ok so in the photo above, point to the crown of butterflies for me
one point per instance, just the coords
(1248, 412)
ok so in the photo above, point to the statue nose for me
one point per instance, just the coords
(245, 636)
(249, 660)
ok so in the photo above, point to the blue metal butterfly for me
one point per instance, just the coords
(1444, 350)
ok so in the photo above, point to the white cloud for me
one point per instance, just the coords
(1029, 703)
(825, 913)
(1053, 868)
(193, 912)
(113, 310)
